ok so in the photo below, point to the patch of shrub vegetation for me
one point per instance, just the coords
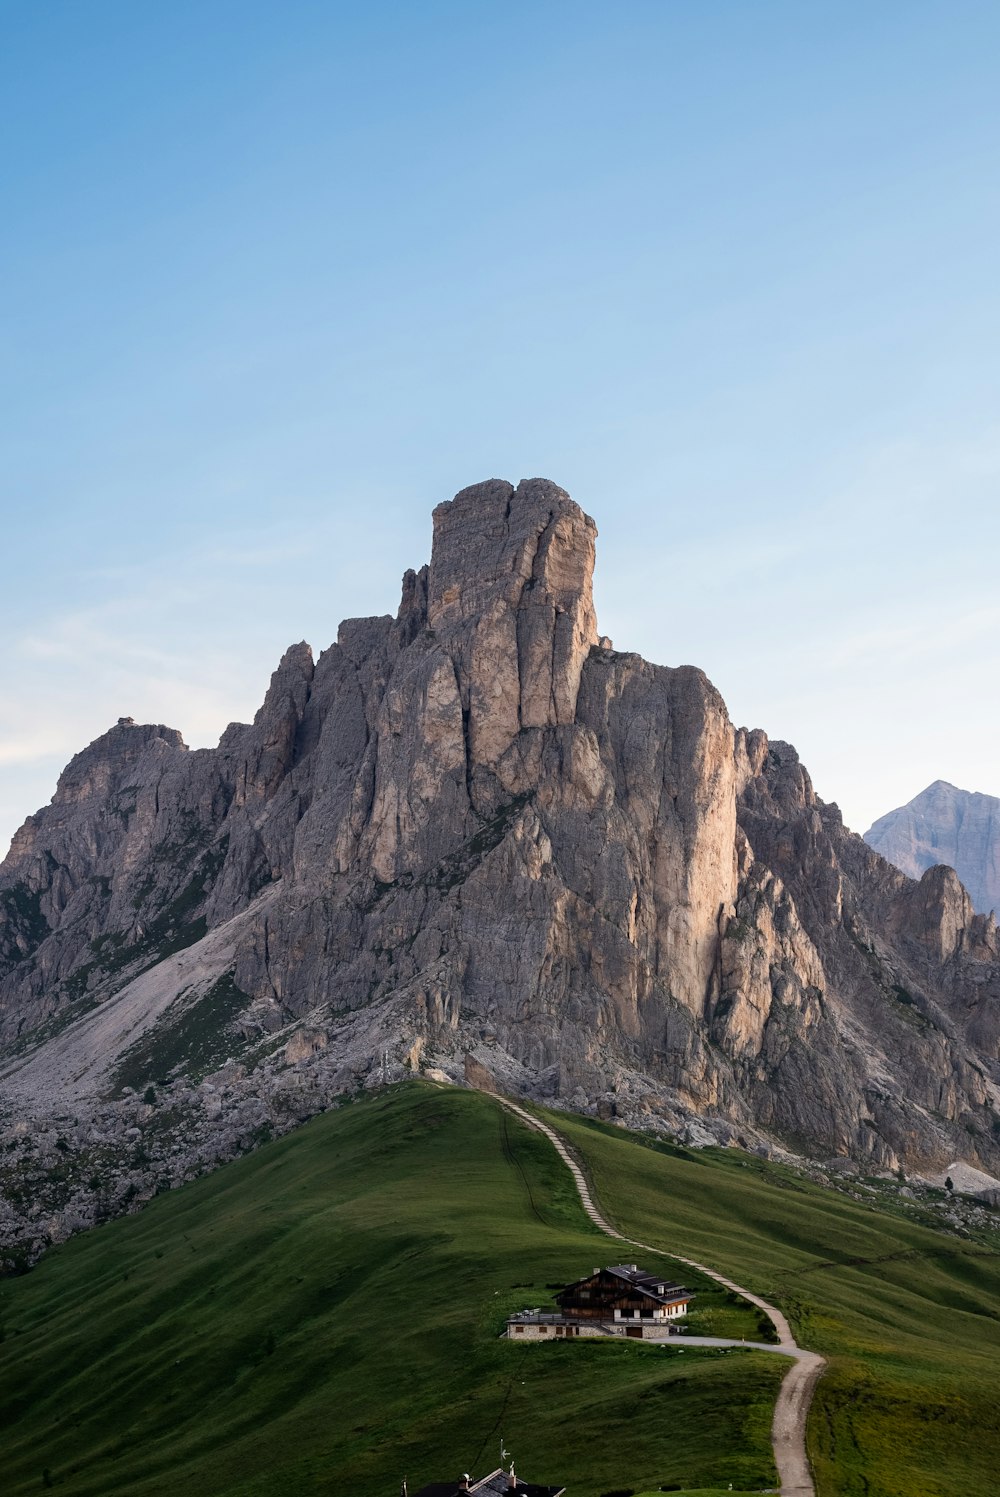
(192, 1039)
(910, 1011)
(192, 835)
(456, 867)
(738, 929)
(27, 927)
(143, 891)
(174, 929)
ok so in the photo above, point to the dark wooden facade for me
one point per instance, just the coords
(623, 1292)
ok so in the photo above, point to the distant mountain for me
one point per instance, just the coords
(943, 824)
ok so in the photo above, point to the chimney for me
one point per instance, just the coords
(511, 1479)
(463, 1485)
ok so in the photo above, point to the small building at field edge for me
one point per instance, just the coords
(499, 1483)
(621, 1300)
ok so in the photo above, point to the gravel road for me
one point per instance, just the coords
(788, 1428)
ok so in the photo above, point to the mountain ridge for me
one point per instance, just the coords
(475, 835)
(948, 825)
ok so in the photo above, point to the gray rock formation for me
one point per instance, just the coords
(945, 825)
(475, 839)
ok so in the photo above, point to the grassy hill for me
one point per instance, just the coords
(908, 1317)
(323, 1317)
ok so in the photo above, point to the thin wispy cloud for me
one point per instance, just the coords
(944, 631)
(188, 638)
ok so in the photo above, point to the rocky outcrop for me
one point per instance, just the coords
(475, 838)
(946, 825)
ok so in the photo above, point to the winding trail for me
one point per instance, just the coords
(788, 1428)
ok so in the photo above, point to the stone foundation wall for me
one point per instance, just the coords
(536, 1331)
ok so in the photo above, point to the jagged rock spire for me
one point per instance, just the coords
(511, 590)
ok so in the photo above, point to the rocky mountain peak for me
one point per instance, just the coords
(938, 911)
(476, 831)
(494, 541)
(101, 766)
(946, 825)
(510, 593)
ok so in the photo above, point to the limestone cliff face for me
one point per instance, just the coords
(946, 825)
(476, 830)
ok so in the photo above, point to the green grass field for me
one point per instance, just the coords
(323, 1317)
(908, 1317)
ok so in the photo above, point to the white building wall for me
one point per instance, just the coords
(532, 1331)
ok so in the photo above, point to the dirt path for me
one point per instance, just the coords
(788, 1428)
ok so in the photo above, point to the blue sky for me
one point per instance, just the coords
(279, 278)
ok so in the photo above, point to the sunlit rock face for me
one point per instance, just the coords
(946, 825)
(476, 830)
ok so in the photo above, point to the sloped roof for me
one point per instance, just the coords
(494, 1485)
(647, 1283)
(644, 1283)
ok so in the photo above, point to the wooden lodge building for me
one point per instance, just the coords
(623, 1292)
(621, 1300)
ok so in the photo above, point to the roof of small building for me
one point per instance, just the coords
(654, 1286)
(497, 1485)
(649, 1283)
(494, 1485)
